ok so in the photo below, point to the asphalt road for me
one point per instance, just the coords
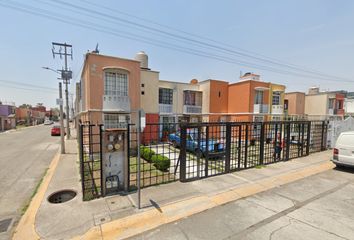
(24, 157)
(318, 207)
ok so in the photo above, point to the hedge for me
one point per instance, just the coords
(161, 162)
(146, 153)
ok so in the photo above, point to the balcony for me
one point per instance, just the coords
(165, 108)
(277, 109)
(116, 103)
(330, 111)
(192, 109)
(260, 108)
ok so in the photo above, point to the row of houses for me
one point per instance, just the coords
(10, 115)
(112, 89)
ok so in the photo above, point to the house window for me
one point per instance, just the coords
(259, 97)
(115, 120)
(276, 98)
(165, 96)
(192, 98)
(116, 84)
(331, 103)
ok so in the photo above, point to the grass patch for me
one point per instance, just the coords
(25, 207)
(20, 126)
(259, 166)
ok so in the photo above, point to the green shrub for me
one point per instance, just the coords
(161, 162)
(146, 153)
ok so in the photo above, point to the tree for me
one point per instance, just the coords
(25, 105)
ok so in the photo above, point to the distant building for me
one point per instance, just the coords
(324, 105)
(294, 103)
(7, 117)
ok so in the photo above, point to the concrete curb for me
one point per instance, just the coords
(152, 218)
(26, 227)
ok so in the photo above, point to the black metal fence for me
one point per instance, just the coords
(90, 152)
(159, 156)
(188, 151)
(210, 149)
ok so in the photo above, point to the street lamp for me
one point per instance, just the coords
(61, 112)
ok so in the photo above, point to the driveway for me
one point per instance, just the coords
(24, 157)
(317, 207)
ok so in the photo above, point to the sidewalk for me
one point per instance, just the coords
(117, 217)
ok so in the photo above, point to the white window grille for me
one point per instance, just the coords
(115, 120)
(115, 84)
(276, 98)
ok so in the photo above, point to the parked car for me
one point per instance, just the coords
(343, 153)
(48, 122)
(214, 146)
(56, 130)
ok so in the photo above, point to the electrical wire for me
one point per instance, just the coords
(103, 29)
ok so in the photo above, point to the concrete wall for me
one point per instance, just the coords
(316, 104)
(219, 96)
(150, 99)
(296, 103)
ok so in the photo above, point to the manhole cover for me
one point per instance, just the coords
(62, 196)
(4, 224)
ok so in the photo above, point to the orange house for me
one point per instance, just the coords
(248, 100)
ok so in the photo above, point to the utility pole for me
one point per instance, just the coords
(61, 120)
(66, 75)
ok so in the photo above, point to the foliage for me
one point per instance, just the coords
(161, 162)
(146, 153)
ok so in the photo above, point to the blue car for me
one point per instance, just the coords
(214, 146)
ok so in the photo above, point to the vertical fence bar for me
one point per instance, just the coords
(228, 147)
(207, 153)
(101, 155)
(308, 140)
(261, 145)
(82, 160)
(239, 146)
(128, 154)
(246, 147)
(288, 126)
(183, 154)
(322, 135)
(302, 138)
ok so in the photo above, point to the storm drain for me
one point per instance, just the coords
(4, 224)
(62, 196)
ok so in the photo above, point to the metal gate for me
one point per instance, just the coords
(90, 151)
(209, 149)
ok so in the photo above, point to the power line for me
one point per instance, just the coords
(27, 89)
(115, 11)
(27, 84)
(227, 50)
(100, 28)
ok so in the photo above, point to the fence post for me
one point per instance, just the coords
(81, 147)
(308, 138)
(261, 145)
(287, 153)
(183, 154)
(322, 133)
(101, 163)
(246, 147)
(228, 147)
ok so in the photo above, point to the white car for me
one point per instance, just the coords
(48, 122)
(343, 153)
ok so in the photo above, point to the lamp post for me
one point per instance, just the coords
(62, 143)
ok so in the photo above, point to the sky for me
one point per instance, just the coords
(311, 34)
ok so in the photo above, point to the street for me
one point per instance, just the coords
(24, 157)
(316, 207)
